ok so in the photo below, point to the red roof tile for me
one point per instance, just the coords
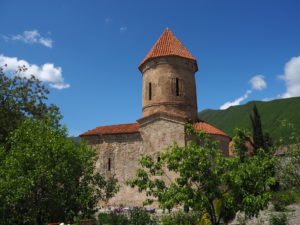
(114, 129)
(134, 128)
(208, 129)
(168, 44)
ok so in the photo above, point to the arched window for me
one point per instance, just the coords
(109, 164)
(150, 91)
(177, 86)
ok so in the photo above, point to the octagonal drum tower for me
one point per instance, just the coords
(169, 79)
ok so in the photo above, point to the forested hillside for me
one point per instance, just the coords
(272, 113)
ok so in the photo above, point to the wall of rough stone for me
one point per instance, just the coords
(124, 151)
(162, 73)
(223, 144)
(158, 134)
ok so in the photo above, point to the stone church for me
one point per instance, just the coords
(169, 102)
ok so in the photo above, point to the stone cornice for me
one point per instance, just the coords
(173, 117)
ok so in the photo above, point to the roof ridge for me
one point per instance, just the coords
(116, 124)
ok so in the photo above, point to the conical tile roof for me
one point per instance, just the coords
(167, 45)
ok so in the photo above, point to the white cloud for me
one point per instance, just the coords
(123, 29)
(60, 86)
(236, 101)
(258, 83)
(46, 72)
(107, 20)
(32, 37)
(292, 78)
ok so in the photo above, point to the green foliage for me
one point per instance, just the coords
(239, 146)
(272, 113)
(21, 98)
(136, 216)
(257, 132)
(205, 176)
(288, 168)
(45, 177)
(180, 217)
(281, 199)
(259, 138)
(112, 219)
(204, 219)
(279, 219)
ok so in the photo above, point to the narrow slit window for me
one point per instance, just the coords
(109, 164)
(150, 91)
(177, 87)
(158, 159)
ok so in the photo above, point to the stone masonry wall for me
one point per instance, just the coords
(158, 135)
(162, 74)
(124, 151)
(224, 142)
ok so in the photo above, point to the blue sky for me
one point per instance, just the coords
(87, 52)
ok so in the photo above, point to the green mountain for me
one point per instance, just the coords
(272, 113)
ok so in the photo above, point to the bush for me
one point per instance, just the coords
(280, 219)
(112, 218)
(181, 218)
(138, 216)
(282, 199)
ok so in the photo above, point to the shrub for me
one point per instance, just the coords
(280, 219)
(282, 199)
(138, 216)
(112, 218)
(181, 218)
(204, 219)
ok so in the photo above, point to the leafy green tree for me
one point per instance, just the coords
(206, 180)
(288, 167)
(46, 177)
(21, 98)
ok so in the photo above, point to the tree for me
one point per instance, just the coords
(260, 139)
(46, 177)
(288, 168)
(21, 98)
(206, 180)
(257, 132)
